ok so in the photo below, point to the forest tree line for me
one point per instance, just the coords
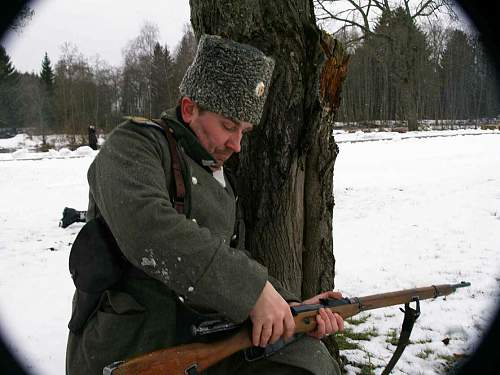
(439, 73)
(400, 72)
(407, 65)
(77, 92)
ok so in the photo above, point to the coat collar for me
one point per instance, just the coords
(186, 138)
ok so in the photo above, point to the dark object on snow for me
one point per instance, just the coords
(92, 138)
(70, 216)
(8, 132)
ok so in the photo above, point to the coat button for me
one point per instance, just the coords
(194, 180)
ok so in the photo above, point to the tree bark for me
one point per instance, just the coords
(409, 105)
(285, 169)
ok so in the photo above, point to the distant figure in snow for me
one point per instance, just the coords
(92, 138)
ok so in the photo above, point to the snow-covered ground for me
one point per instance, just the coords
(416, 212)
(409, 212)
(342, 136)
(24, 146)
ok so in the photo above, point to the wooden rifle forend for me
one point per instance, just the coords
(305, 315)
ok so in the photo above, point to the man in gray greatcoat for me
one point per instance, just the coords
(180, 263)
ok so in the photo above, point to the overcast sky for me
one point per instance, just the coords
(96, 27)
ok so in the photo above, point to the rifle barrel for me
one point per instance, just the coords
(347, 307)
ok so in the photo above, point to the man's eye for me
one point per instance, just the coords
(230, 127)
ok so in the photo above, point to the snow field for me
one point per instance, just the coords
(412, 213)
(409, 212)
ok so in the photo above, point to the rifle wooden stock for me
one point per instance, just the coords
(178, 360)
(200, 356)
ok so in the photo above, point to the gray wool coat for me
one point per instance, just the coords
(180, 255)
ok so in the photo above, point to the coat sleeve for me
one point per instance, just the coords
(128, 183)
(285, 293)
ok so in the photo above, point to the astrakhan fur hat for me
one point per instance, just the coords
(229, 78)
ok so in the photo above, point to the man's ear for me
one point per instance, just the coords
(188, 109)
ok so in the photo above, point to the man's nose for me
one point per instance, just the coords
(234, 141)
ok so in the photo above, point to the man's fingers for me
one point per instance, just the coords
(320, 327)
(256, 331)
(277, 332)
(271, 312)
(327, 322)
(289, 327)
(332, 294)
(340, 321)
(324, 295)
(333, 322)
(266, 333)
(326, 315)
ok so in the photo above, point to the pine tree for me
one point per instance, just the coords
(7, 69)
(9, 106)
(158, 80)
(184, 55)
(47, 101)
(171, 94)
(401, 47)
(47, 73)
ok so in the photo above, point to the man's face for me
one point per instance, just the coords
(218, 135)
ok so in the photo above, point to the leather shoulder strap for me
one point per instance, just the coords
(180, 187)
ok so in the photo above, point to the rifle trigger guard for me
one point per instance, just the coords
(191, 370)
(255, 353)
(109, 369)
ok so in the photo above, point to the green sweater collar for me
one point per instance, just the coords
(187, 139)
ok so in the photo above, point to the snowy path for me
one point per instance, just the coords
(409, 212)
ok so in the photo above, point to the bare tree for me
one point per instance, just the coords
(364, 14)
(138, 71)
(395, 25)
(74, 92)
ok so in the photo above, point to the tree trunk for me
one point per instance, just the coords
(409, 105)
(285, 169)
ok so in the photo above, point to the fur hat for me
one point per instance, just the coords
(229, 78)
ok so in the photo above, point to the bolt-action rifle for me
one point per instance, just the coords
(190, 359)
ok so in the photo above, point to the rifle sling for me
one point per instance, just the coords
(180, 187)
(411, 315)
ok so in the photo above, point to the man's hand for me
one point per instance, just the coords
(271, 318)
(328, 322)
